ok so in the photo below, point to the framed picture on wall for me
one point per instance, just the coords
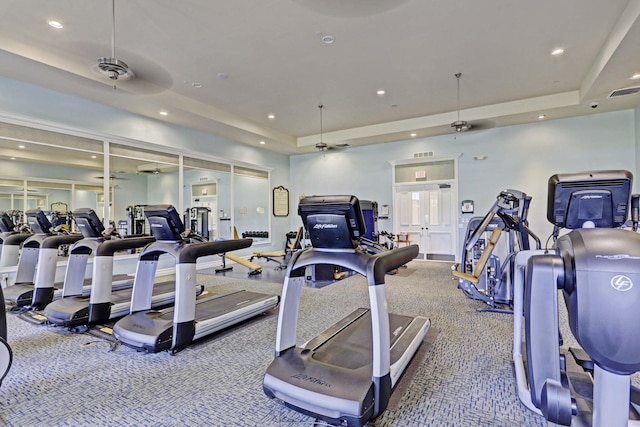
(280, 201)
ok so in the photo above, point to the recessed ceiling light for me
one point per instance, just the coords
(56, 24)
(328, 39)
(262, 142)
(635, 76)
(557, 52)
(20, 146)
(271, 116)
(222, 76)
(93, 156)
(196, 85)
(13, 158)
(541, 116)
(381, 92)
(163, 113)
(414, 134)
(394, 105)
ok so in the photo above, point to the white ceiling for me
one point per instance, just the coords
(272, 54)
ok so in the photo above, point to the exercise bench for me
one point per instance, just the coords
(289, 248)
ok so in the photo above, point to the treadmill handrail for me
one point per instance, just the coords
(387, 261)
(373, 266)
(110, 247)
(16, 239)
(190, 253)
(52, 242)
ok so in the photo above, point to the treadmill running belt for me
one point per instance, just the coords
(353, 348)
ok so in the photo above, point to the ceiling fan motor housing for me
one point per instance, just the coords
(114, 69)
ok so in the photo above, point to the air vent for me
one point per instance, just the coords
(425, 154)
(602, 183)
(622, 92)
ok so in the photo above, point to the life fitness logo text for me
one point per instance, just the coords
(323, 226)
(621, 283)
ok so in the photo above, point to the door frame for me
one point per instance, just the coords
(422, 182)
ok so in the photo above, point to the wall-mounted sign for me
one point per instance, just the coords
(280, 201)
(421, 174)
(466, 206)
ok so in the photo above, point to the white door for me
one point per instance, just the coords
(211, 203)
(428, 217)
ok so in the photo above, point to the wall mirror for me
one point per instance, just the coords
(40, 167)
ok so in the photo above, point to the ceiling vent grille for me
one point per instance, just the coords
(622, 92)
(425, 154)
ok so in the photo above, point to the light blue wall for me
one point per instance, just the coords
(38, 104)
(522, 157)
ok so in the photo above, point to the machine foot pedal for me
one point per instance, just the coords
(582, 358)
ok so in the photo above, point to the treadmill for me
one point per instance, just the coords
(38, 257)
(10, 241)
(192, 318)
(7, 228)
(74, 308)
(346, 375)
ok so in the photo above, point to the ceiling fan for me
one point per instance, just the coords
(462, 125)
(111, 177)
(323, 146)
(112, 67)
(154, 171)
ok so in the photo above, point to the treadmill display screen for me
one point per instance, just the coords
(333, 222)
(38, 221)
(6, 224)
(88, 222)
(599, 197)
(164, 222)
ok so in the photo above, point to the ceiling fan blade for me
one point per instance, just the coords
(482, 124)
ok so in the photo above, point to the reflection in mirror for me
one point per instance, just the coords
(207, 197)
(140, 177)
(251, 201)
(12, 199)
(68, 172)
(50, 163)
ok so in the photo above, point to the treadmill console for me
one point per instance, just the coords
(6, 224)
(164, 222)
(38, 221)
(88, 222)
(598, 197)
(333, 222)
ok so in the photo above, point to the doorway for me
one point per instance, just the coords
(427, 215)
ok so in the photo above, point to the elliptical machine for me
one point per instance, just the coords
(481, 274)
(596, 268)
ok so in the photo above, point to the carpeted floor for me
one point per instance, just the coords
(465, 379)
